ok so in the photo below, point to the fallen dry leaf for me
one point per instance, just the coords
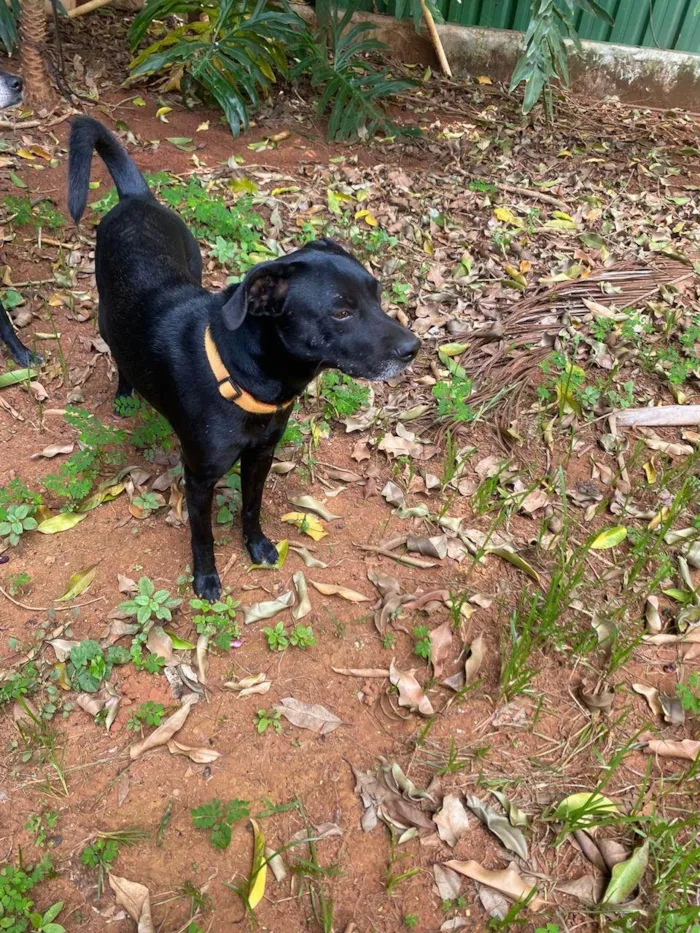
(266, 610)
(166, 730)
(361, 671)
(308, 716)
(135, 898)
(309, 504)
(451, 821)
(303, 604)
(410, 691)
(508, 881)
(54, 450)
(202, 756)
(440, 645)
(498, 824)
(688, 749)
(333, 589)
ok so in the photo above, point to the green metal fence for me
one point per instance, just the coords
(663, 24)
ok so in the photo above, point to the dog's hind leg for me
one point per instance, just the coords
(255, 465)
(22, 354)
(199, 491)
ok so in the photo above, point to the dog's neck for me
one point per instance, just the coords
(258, 361)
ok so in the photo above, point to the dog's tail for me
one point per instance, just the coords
(87, 134)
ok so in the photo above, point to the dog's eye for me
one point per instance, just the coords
(340, 314)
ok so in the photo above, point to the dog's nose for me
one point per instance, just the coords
(407, 349)
(14, 82)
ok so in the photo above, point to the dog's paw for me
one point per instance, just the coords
(262, 551)
(207, 586)
(25, 357)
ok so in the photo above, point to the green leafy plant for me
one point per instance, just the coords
(89, 666)
(276, 637)
(100, 855)
(452, 395)
(148, 502)
(17, 520)
(232, 56)
(23, 211)
(343, 396)
(150, 604)
(17, 912)
(99, 445)
(152, 432)
(422, 646)
(264, 718)
(219, 818)
(19, 583)
(148, 714)
(217, 620)
(228, 499)
(351, 90)
(40, 825)
(689, 693)
(18, 684)
(411, 921)
(545, 58)
(302, 637)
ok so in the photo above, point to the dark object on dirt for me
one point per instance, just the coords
(223, 368)
(10, 96)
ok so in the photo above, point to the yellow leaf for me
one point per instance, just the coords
(484, 79)
(61, 522)
(564, 153)
(507, 217)
(41, 152)
(611, 537)
(203, 127)
(161, 112)
(650, 471)
(453, 349)
(25, 154)
(78, 583)
(258, 876)
(525, 265)
(515, 275)
(308, 524)
(368, 218)
(660, 516)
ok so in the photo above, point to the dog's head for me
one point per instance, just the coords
(10, 90)
(326, 309)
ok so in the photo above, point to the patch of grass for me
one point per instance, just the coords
(219, 818)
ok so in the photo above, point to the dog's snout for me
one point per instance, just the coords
(14, 82)
(406, 350)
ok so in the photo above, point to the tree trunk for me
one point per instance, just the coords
(38, 91)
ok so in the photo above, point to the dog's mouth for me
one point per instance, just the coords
(375, 372)
(10, 99)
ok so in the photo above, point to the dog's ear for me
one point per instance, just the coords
(263, 292)
(326, 245)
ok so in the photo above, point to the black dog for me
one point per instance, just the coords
(223, 368)
(10, 96)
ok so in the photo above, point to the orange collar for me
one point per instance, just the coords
(228, 388)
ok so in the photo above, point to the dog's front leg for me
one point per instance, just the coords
(199, 491)
(255, 465)
(23, 356)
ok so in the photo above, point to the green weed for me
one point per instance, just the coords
(217, 620)
(219, 818)
(17, 912)
(266, 718)
(148, 714)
